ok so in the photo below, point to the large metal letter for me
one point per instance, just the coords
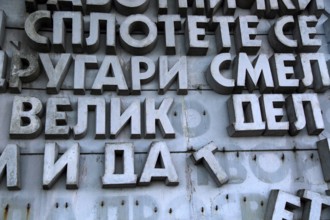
(20, 73)
(314, 203)
(158, 116)
(55, 75)
(85, 105)
(59, 34)
(258, 74)
(280, 204)
(313, 72)
(118, 120)
(306, 32)
(206, 155)
(277, 38)
(132, 44)
(10, 160)
(316, 7)
(195, 35)
(304, 109)
(323, 148)
(25, 119)
(167, 77)
(116, 80)
(32, 25)
(245, 116)
(56, 125)
(273, 112)
(159, 166)
(109, 21)
(283, 72)
(245, 34)
(282, 7)
(215, 78)
(81, 63)
(139, 63)
(113, 179)
(222, 32)
(169, 23)
(54, 167)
